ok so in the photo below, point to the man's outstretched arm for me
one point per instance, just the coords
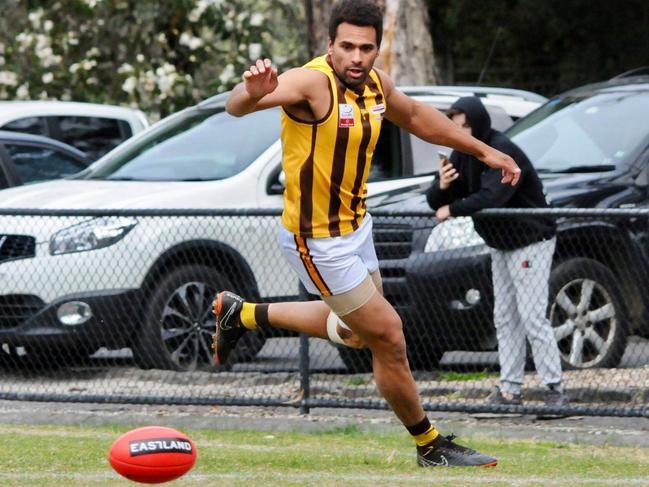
(262, 88)
(431, 125)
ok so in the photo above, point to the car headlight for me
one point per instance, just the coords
(91, 235)
(453, 234)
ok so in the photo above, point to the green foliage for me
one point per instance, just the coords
(164, 55)
(157, 55)
(547, 46)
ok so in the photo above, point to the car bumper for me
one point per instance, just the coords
(26, 320)
(444, 297)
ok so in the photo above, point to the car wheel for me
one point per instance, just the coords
(179, 324)
(587, 314)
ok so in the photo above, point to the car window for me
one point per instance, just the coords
(28, 125)
(425, 156)
(93, 135)
(200, 145)
(36, 163)
(569, 133)
(500, 120)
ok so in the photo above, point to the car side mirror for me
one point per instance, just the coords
(277, 182)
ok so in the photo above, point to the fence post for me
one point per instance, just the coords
(305, 377)
(304, 372)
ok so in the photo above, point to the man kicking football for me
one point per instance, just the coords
(332, 109)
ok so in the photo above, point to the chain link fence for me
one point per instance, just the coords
(115, 306)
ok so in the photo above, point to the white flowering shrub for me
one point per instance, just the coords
(159, 56)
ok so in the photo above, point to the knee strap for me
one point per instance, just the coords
(332, 328)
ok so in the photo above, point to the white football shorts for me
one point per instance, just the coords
(334, 266)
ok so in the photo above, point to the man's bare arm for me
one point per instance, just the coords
(431, 125)
(262, 88)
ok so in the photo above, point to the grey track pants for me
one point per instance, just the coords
(521, 287)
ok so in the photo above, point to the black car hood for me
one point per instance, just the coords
(583, 190)
(410, 198)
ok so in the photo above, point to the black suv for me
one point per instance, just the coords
(591, 148)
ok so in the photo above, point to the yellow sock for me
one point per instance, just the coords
(425, 438)
(248, 316)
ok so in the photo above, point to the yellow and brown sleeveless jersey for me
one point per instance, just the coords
(327, 162)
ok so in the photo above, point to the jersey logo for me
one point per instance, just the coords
(345, 115)
(378, 111)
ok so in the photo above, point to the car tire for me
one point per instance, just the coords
(182, 301)
(588, 314)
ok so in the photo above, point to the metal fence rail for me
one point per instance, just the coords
(115, 306)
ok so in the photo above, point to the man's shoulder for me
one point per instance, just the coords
(384, 78)
(307, 72)
(306, 77)
(310, 91)
(318, 63)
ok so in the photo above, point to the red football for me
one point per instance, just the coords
(153, 454)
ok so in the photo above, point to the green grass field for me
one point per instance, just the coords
(77, 456)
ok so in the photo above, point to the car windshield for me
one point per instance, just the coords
(425, 156)
(594, 133)
(200, 145)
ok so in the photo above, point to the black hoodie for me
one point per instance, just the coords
(478, 187)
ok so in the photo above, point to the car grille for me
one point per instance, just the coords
(16, 247)
(393, 241)
(15, 309)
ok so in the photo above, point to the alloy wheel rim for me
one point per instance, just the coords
(187, 326)
(584, 321)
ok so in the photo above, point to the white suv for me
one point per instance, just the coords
(83, 279)
(92, 128)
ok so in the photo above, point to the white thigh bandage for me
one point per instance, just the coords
(332, 328)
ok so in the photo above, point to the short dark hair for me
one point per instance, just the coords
(357, 12)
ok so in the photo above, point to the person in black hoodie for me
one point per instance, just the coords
(521, 255)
